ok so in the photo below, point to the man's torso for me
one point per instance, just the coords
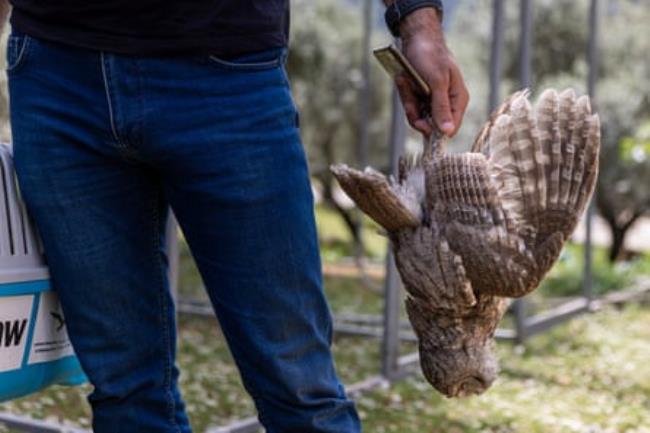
(157, 27)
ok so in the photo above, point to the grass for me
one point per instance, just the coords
(565, 279)
(335, 239)
(586, 376)
(590, 375)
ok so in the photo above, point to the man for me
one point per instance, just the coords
(121, 108)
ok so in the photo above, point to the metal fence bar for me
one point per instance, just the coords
(638, 292)
(252, 424)
(364, 325)
(526, 43)
(390, 338)
(366, 385)
(190, 306)
(519, 313)
(248, 425)
(406, 335)
(592, 49)
(171, 244)
(592, 57)
(366, 319)
(30, 425)
(348, 324)
(525, 81)
(392, 295)
(408, 359)
(548, 319)
(496, 54)
(364, 90)
(369, 331)
(505, 334)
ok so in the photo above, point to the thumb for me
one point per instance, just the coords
(441, 110)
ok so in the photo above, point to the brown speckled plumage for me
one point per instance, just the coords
(473, 229)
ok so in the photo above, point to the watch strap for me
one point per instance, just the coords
(399, 9)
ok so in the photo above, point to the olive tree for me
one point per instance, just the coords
(559, 59)
(324, 66)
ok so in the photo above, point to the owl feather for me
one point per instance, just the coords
(471, 230)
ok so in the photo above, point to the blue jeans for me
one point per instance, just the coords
(103, 144)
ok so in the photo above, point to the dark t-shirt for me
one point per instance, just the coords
(157, 27)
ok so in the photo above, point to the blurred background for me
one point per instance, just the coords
(589, 374)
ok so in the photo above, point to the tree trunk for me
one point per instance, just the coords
(353, 221)
(618, 231)
(618, 239)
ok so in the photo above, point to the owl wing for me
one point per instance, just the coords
(433, 275)
(543, 162)
(393, 205)
(481, 142)
(509, 209)
(465, 204)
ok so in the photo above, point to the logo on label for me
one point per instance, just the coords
(50, 341)
(11, 332)
(58, 318)
(15, 318)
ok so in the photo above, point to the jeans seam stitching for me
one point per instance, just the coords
(108, 99)
(171, 405)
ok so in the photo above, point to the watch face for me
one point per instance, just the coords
(394, 62)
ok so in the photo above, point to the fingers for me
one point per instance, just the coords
(441, 110)
(411, 103)
(458, 98)
(449, 101)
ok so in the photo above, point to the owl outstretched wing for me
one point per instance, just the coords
(508, 208)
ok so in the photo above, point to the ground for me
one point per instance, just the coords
(590, 375)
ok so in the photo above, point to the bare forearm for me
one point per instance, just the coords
(431, 10)
(425, 19)
(5, 7)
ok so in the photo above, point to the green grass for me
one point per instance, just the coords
(565, 279)
(336, 241)
(590, 375)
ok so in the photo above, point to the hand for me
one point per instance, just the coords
(424, 46)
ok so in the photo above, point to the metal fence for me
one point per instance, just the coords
(389, 327)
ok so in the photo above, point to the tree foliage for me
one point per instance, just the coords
(324, 67)
(325, 70)
(559, 58)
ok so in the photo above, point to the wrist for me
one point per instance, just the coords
(427, 20)
(400, 11)
(5, 7)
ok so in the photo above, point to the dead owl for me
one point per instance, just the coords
(470, 230)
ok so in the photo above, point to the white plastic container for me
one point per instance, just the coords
(35, 351)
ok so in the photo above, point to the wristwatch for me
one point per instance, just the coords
(399, 9)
